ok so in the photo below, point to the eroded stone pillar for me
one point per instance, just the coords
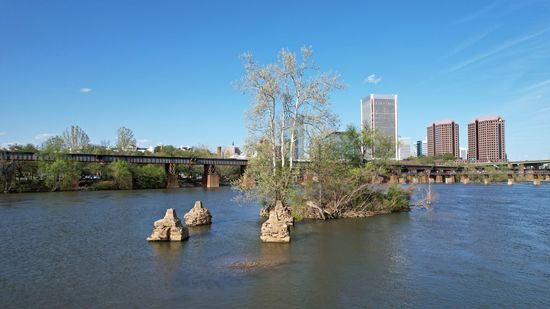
(376, 180)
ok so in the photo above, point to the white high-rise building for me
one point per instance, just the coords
(425, 147)
(379, 113)
(464, 153)
(414, 151)
(404, 148)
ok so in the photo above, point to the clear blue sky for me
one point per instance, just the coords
(166, 68)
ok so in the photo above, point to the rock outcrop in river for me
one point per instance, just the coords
(275, 229)
(283, 212)
(169, 228)
(198, 215)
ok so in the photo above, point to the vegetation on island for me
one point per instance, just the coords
(290, 108)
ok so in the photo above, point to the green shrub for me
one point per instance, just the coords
(122, 176)
(396, 199)
(149, 177)
(104, 185)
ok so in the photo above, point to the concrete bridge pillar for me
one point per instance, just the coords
(449, 179)
(393, 179)
(414, 179)
(536, 180)
(547, 178)
(210, 178)
(172, 178)
(426, 179)
(438, 179)
(402, 180)
(465, 179)
(530, 175)
(521, 169)
(486, 179)
(510, 179)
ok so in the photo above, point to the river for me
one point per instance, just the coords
(480, 246)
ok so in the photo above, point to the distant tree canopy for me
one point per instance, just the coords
(125, 139)
(75, 139)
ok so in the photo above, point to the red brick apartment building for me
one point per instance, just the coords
(486, 139)
(443, 138)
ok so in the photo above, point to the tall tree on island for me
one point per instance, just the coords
(289, 96)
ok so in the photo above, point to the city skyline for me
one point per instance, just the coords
(162, 70)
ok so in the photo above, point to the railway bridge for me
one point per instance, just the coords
(400, 172)
(210, 178)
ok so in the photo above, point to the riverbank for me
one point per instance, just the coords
(40, 186)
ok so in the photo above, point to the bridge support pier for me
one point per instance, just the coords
(465, 179)
(210, 178)
(536, 180)
(510, 179)
(402, 180)
(438, 179)
(172, 178)
(393, 179)
(547, 178)
(521, 169)
(414, 179)
(449, 179)
(486, 179)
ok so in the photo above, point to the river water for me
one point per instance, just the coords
(480, 246)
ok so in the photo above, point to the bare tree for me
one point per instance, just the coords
(75, 139)
(125, 139)
(305, 96)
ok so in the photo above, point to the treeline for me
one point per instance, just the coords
(62, 175)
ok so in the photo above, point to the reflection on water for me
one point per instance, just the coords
(270, 258)
(480, 246)
(198, 230)
(168, 257)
